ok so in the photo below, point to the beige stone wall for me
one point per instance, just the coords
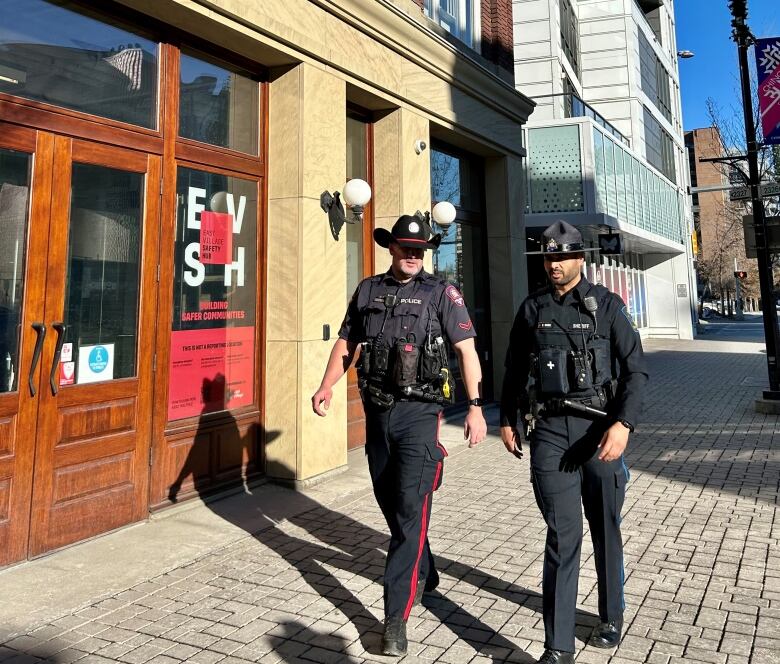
(372, 44)
(320, 54)
(306, 275)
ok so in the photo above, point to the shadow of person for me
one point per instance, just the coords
(314, 540)
(238, 453)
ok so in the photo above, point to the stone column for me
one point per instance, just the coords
(402, 178)
(306, 272)
(504, 201)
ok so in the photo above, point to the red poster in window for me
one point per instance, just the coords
(216, 238)
(211, 370)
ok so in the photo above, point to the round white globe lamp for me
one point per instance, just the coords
(356, 193)
(443, 213)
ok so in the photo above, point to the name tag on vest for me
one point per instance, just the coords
(544, 326)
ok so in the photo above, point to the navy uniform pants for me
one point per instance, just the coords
(406, 462)
(566, 472)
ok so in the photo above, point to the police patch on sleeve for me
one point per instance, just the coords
(628, 316)
(455, 296)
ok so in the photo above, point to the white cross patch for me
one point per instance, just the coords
(550, 366)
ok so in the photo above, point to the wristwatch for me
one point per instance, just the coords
(628, 425)
(476, 402)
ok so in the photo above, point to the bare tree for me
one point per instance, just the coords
(717, 264)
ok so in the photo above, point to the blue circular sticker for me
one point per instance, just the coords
(98, 359)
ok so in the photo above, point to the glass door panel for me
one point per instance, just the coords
(17, 405)
(103, 276)
(14, 202)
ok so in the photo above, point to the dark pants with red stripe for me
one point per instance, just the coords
(406, 462)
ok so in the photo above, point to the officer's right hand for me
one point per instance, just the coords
(512, 440)
(321, 398)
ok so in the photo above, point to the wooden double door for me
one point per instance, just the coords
(78, 294)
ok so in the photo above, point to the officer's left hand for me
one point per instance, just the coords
(475, 427)
(613, 442)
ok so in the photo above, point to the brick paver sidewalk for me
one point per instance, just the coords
(701, 543)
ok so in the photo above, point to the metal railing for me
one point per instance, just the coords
(574, 107)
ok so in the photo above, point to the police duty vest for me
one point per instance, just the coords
(408, 325)
(570, 358)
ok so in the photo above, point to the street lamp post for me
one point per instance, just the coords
(743, 38)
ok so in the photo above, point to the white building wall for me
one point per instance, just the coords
(610, 81)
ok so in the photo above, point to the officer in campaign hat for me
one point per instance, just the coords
(576, 372)
(400, 322)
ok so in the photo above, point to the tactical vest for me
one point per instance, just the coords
(404, 352)
(570, 358)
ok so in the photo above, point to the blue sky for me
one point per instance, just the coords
(704, 27)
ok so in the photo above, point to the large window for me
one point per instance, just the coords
(462, 255)
(656, 83)
(218, 105)
(659, 146)
(50, 53)
(212, 365)
(570, 42)
(458, 17)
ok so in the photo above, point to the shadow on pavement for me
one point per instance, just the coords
(339, 541)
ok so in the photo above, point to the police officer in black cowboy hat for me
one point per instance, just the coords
(576, 372)
(400, 321)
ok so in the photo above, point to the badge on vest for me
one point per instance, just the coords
(541, 325)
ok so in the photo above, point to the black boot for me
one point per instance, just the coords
(394, 641)
(551, 656)
(606, 634)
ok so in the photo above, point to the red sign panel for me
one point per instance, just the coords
(211, 370)
(216, 238)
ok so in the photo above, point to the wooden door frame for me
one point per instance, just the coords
(181, 152)
(50, 450)
(20, 409)
(368, 261)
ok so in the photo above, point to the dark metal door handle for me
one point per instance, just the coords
(55, 361)
(40, 328)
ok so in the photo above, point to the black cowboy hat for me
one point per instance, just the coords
(562, 238)
(408, 231)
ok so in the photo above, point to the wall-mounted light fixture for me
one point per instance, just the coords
(685, 54)
(356, 195)
(440, 218)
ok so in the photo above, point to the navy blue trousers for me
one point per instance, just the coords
(566, 473)
(406, 462)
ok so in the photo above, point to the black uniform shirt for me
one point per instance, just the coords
(613, 321)
(446, 311)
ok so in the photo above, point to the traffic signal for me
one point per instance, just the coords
(738, 8)
(740, 274)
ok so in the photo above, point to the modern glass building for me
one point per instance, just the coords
(606, 149)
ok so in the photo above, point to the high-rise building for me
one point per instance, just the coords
(605, 146)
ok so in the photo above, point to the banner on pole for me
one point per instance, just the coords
(768, 68)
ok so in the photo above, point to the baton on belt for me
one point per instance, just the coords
(581, 407)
